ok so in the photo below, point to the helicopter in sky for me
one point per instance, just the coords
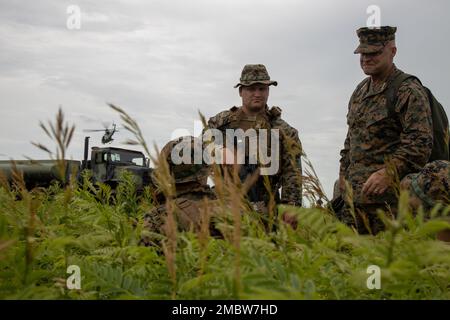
(109, 132)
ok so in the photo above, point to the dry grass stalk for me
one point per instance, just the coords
(60, 132)
(132, 126)
(204, 233)
(169, 245)
(165, 184)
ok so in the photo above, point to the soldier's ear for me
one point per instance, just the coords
(392, 48)
(394, 51)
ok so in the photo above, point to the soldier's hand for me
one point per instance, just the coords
(377, 183)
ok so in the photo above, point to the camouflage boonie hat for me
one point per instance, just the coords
(185, 172)
(255, 73)
(372, 40)
(431, 185)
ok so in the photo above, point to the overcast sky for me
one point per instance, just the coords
(164, 60)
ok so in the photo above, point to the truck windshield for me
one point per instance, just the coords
(126, 157)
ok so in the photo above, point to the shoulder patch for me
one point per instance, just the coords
(275, 111)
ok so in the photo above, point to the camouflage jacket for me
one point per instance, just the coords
(289, 175)
(375, 135)
(430, 186)
(187, 211)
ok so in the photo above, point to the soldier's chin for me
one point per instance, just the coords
(368, 70)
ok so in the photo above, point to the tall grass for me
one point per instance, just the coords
(42, 232)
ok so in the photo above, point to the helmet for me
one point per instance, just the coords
(183, 166)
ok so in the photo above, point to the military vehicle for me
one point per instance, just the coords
(106, 165)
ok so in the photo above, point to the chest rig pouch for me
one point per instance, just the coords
(252, 133)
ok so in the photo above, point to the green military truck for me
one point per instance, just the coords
(106, 166)
(39, 173)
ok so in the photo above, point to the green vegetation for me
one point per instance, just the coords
(46, 231)
(43, 232)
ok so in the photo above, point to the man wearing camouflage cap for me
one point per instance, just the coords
(191, 189)
(255, 114)
(428, 188)
(388, 132)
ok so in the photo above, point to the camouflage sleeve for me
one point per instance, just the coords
(153, 222)
(212, 123)
(345, 161)
(217, 121)
(417, 132)
(154, 219)
(291, 168)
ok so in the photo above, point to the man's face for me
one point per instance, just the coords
(378, 62)
(254, 97)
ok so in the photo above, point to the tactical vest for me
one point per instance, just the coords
(237, 119)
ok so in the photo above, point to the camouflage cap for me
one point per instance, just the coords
(255, 73)
(372, 40)
(185, 172)
(431, 185)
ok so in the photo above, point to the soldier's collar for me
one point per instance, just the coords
(274, 111)
(271, 114)
(241, 110)
(384, 83)
(372, 91)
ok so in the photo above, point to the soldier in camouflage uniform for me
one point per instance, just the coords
(191, 189)
(428, 188)
(255, 114)
(379, 137)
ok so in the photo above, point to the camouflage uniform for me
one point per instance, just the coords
(289, 173)
(376, 136)
(191, 190)
(187, 210)
(430, 186)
